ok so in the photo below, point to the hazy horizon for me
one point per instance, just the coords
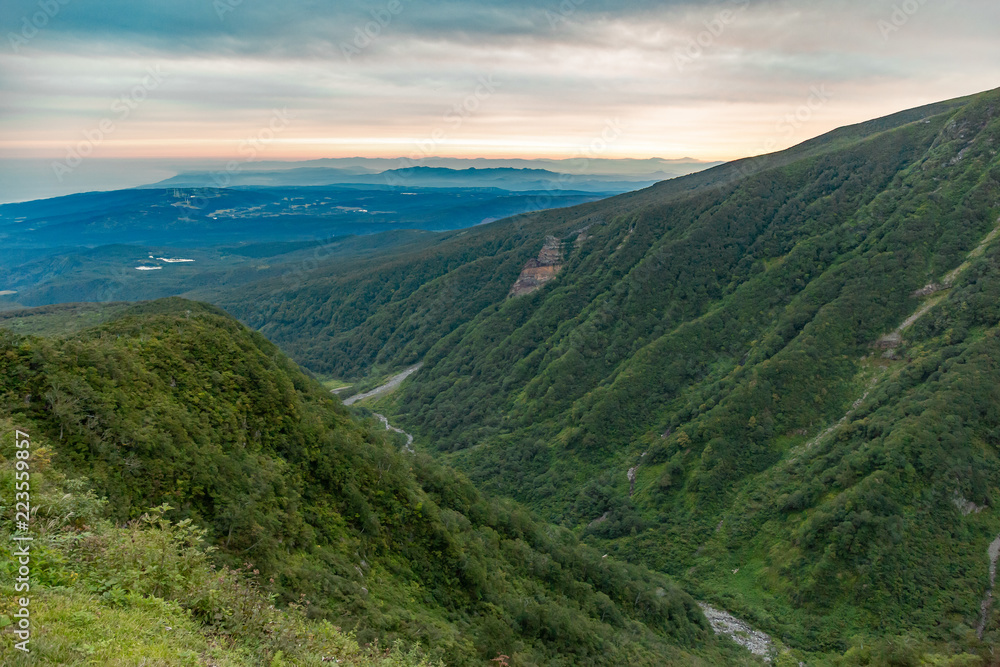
(31, 179)
(226, 79)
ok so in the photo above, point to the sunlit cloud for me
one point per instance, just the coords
(683, 79)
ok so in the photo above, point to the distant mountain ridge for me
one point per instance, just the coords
(31, 179)
(582, 165)
(503, 177)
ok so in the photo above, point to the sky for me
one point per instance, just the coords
(300, 79)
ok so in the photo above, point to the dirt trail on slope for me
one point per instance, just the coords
(924, 308)
(850, 413)
(393, 382)
(993, 552)
(912, 319)
(976, 252)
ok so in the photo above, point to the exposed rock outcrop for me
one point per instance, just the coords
(927, 290)
(540, 270)
(582, 236)
(889, 344)
(724, 623)
(966, 507)
(633, 473)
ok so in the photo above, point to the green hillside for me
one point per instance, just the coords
(727, 338)
(275, 493)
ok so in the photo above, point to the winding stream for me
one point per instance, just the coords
(389, 427)
(393, 382)
(984, 608)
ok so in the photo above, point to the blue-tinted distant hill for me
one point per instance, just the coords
(200, 217)
(506, 178)
(125, 244)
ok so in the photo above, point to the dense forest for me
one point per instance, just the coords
(189, 479)
(774, 380)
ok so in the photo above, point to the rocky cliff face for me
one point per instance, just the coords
(539, 270)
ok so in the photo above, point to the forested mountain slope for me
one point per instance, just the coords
(175, 402)
(775, 379)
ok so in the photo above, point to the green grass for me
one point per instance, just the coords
(333, 384)
(71, 627)
(147, 593)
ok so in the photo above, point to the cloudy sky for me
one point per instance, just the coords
(546, 78)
